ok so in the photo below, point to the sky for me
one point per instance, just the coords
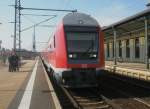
(105, 12)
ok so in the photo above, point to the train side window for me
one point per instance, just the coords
(137, 48)
(54, 42)
(127, 49)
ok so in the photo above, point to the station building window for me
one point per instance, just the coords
(137, 48)
(149, 47)
(108, 54)
(120, 48)
(113, 49)
(127, 49)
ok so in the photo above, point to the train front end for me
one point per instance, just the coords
(84, 50)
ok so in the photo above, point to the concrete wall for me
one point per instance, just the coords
(142, 49)
(132, 49)
(117, 49)
(111, 49)
(123, 49)
(131, 37)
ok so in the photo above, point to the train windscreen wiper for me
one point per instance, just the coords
(90, 47)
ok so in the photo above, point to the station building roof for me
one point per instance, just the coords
(128, 25)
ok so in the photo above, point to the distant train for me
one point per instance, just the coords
(75, 52)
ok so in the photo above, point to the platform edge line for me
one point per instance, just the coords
(54, 97)
(25, 104)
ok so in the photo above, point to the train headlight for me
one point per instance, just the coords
(93, 55)
(74, 55)
(70, 55)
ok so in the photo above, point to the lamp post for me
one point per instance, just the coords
(34, 40)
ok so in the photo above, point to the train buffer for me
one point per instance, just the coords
(133, 70)
(27, 89)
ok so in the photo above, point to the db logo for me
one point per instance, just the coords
(84, 65)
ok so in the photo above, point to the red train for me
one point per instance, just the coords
(75, 52)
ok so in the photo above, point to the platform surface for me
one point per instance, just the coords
(135, 66)
(133, 70)
(33, 91)
(41, 96)
(10, 82)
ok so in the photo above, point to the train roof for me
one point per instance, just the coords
(79, 19)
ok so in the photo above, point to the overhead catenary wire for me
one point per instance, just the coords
(44, 15)
(19, 8)
(28, 19)
(48, 26)
(24, 15)
(42, 9)
(37, 24)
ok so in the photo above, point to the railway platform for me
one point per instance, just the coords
(27, 89)
(10, 82)
(133, 70)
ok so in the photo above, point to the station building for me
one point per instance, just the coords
(129, 39)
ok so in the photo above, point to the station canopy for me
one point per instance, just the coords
(128, 25)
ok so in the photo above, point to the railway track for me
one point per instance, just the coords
(131, 95)
(112, 94)
(87, 98)
(135, 97)
(80, 98)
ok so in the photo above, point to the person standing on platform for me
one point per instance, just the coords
(16, 62)
(10, 60)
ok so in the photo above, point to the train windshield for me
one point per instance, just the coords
(82, 42)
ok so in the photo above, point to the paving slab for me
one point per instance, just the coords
(41, 96)
(11, 82)
(36, 92)
(135, 66)
(133, 70)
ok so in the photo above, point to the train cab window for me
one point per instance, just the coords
(108, 54)
(120, 48)
(137, 48)
(82, 45)
(127, 49)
